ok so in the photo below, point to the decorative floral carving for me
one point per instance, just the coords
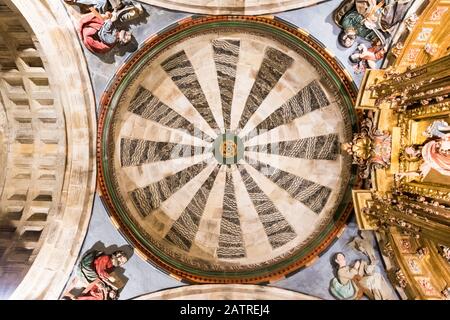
(411, 21)
(388, 250)
(414, 266)
(444, 252)
(401, 279)
(397, 49)
(422, 252)
(370, 148)
(438, 13)
(426, 286)
(431, 48)
(446, 293)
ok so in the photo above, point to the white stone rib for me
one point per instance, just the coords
(250, 58)
(206, 240)
(255, 239)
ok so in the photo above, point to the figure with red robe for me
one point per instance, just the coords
(96, 265)
(99, 35)
(367, 57)
(95, 276)
(97, 290)
(126, 10)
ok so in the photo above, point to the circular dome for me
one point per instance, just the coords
(219, 149)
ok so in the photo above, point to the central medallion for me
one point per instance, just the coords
(228, 148)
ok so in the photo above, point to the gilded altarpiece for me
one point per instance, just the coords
(408, 201)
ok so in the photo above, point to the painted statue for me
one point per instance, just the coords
(369, 19)
(95, 276)
(126, 10)
(365, 57)
(363, 244)
(96, 264)
(100, 36)
(434, 154)
(371, 148)
(353, 281)
(97, 290)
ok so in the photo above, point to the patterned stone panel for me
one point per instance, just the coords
(185, 228)
(183, 74)
(273, 66)
(311, 194)
(226, 56)
(324, 147)
(308, 99)
(275, 225)
(146, 105)
(231, 244)
(150, 197)
(134, 152)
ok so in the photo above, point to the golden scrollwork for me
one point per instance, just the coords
(427, 191)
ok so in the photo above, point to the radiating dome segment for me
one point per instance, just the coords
(220, 150)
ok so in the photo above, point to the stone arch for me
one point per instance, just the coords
(225, 292)
(218, 7)
(49, 180)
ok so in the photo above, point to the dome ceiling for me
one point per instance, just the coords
(220, 149)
